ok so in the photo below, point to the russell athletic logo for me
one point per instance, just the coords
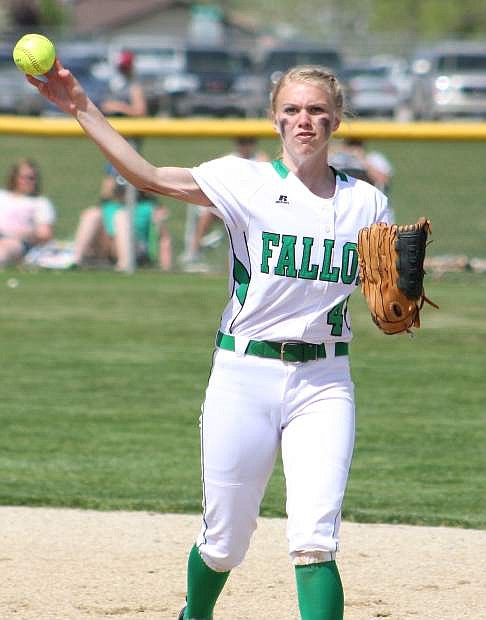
(282, 200)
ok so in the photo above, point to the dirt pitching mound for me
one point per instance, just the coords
(76, 564)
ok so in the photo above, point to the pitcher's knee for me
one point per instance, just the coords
(221, 559)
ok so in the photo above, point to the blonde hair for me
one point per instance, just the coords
(313, 74)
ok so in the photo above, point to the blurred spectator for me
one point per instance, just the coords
(342, 158)
(247, 147)
(200, 219)
(351, 155)
(128, 97)
(380, 170)
(26, 217)
(103, 231)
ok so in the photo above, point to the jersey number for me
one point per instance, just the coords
(335, 317)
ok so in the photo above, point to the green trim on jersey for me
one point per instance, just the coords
(340, 174)
(280, 168)
(242, 279)
(283, 171)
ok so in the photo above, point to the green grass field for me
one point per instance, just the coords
(103, 375)
(442, 180)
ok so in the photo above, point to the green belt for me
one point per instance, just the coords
(285, 351)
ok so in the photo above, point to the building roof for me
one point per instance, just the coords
(108, 16)
(98, 15)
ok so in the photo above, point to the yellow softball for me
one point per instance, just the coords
(34, 54)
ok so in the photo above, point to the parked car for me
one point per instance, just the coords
(370, 90)
(215, 82)
(449, 80)
(181, 79)
(275, 60)
(399, 72)
(17, 96)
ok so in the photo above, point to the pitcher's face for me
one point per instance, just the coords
(306, 117)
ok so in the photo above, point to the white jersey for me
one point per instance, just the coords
(294, 259)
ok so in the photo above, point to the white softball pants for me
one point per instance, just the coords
(253, 407)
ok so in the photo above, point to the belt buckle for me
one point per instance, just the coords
(282, 351)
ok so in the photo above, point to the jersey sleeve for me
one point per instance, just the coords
(374, 202)
(228, 183)
(383, 211)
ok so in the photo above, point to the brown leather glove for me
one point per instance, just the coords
(391, 267)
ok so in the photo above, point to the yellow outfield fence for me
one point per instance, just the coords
(227, 128)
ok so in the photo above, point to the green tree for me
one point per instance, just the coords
(51, 13)
(419, 19)
(430, 19)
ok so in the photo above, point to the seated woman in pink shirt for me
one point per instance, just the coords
(26, 217)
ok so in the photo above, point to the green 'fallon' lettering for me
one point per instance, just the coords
(306, 271)
(286, 260)
(326, 274)
(268, 238)
(350, 255)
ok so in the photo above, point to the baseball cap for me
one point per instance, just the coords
(125, 60)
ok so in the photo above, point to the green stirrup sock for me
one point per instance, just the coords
(320, 591)
(204, 585)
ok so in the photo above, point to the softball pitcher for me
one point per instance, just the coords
(280, 375)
